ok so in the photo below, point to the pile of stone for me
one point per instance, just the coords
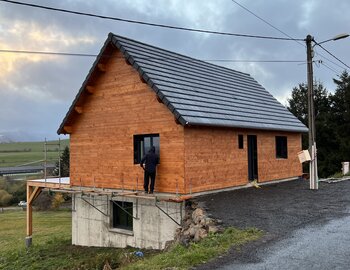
(196, 225)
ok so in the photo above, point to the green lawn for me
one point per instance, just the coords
(13, 154)
(52, 247)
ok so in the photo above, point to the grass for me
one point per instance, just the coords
(13, 154)
(180, 257)
(52, 247)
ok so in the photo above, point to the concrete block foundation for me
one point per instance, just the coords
(92, 222)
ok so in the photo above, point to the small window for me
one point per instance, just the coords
(240, 141)
(122, 215)
(142, 144)
(281, 147)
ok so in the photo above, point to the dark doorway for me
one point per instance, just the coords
(252, 158)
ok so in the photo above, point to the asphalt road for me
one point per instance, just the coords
(317, 247)
(304, 229)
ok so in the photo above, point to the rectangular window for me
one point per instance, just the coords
(281, 147)
(240, 141)
(122, 215)
(142, 144)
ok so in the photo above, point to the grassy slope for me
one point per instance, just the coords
(52, 249)
(12, 154)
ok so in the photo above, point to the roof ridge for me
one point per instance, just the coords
(179, 54)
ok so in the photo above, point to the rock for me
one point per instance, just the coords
(197, 215)
(213, 229)
(193, 229)
(207, 221)
(187, 223)
(200, 234)
(219, 221)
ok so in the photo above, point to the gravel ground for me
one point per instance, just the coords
(278, 209)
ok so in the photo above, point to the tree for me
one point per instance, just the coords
(326, 138)
(64, 161)
(340, 115)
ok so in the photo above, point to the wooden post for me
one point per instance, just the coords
(29, 217)
(32, 194)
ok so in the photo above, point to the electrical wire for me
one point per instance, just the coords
(284, 33)
(147, 23)
(330, 68)
(323, 48)
(268, 23)
(145, 58)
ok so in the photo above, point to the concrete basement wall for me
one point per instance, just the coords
(151, 228)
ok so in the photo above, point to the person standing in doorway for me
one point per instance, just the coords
(151, 160)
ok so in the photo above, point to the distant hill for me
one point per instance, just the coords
(5, 139)
(19, 153)
(18, 136)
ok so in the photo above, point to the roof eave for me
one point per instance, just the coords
(82, 88)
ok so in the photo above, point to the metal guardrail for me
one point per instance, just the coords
(24, 169)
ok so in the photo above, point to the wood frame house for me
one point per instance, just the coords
(215, 129)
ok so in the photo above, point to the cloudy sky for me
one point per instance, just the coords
(37, 90)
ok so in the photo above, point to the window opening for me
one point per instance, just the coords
(281, 147)
(142, 144)
(122, 215)
(240, 141)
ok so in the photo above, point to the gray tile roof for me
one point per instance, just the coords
(201, 93)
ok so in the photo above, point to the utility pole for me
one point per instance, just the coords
(311, 115)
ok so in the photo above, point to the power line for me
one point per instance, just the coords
(279, 30)
(268, 23)
(331, 54)
(331, 69)
(145, 58)
(147, 23)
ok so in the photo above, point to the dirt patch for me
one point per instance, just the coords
(277, 209)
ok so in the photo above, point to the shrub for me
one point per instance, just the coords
(57, 200)
(5, 198)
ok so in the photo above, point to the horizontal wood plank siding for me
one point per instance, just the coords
(272, 168)
(102, 136)
(213, 159)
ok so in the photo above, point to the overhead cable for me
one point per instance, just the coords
(143, 58)
(323, 48)
(147, 23)
(282, 32)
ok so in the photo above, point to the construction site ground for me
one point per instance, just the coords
(289, 213)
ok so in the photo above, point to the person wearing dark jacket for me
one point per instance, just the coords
(151, 160)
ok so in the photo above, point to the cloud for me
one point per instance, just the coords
(36, 90)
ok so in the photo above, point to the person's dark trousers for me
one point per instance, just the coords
(149, 175)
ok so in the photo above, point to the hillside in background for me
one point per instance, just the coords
(19, 153)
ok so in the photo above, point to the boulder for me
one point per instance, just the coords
(200, 234)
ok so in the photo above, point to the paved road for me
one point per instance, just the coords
(315, 247)
(304, 229)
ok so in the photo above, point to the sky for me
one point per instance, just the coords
(37, 90)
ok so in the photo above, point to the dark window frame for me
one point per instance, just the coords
(281, 145)
(240, 141)
(139, 145)
(119, 219)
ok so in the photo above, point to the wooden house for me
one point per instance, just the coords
(214, 129)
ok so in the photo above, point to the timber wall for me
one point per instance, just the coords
(214, 161)
(101, 140)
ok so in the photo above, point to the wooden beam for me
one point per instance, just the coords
(90, 89)
(159, 100)
(29, 212)
(78, 109)
(68, 129)
(177, 121)
(101, 67)
(127, 62)
(35, 193)
(142, 79)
